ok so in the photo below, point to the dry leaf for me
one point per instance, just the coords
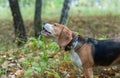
(19, 73)
(117, 75)
(5, 64)
(11, 75)
(3, 76)
(22, 59)
(11, 65)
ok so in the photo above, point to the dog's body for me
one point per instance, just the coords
(105, 52)
(85, 52)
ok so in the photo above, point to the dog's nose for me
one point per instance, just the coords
(44, 23)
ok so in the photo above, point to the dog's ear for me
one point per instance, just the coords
(65, 37)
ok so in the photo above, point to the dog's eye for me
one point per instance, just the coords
(55, 24)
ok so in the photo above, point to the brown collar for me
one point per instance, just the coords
(77, 39)
(74, 42)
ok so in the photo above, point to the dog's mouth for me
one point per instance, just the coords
(45, 32)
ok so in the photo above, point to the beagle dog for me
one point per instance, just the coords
(85, 52)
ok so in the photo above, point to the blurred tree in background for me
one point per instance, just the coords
(32, 10)
(65, 11)
(37, 18)
(18, 22)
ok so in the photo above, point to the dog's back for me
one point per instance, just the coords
(105, 52)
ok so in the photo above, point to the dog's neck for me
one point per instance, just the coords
(76, 42)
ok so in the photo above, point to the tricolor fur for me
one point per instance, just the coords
(85, 52)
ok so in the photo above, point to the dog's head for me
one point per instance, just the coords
(58, 31)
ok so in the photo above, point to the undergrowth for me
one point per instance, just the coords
(41, 58)
(37, 58)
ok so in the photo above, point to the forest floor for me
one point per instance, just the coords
(37, 59)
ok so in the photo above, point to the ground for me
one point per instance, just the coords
(43, 58)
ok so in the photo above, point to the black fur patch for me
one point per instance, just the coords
(104, 51)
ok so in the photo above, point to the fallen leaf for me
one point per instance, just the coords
(3, 76)
(19, 73)
(5, 64)
(12, 75)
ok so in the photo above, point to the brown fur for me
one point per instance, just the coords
(116, 61)
(65, 37)
(85, 52)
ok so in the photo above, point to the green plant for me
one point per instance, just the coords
(42, 63)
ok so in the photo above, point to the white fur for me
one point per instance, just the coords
(49, 27)
(75, 58)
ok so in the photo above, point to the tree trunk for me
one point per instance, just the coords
(37, 18)
(65, 11)
(20, 33)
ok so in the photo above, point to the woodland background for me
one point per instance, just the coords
(24, 53)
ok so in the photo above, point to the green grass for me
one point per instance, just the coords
(36, 56)
(5, 13)
(53, 9)
(95, 11)
(49, 9)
